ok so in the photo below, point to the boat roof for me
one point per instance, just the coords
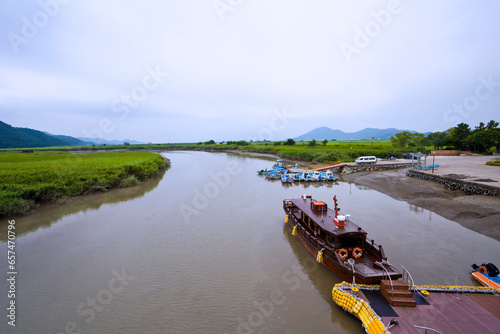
(325, 218)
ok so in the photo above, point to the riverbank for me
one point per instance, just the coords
(475, 212)
(29, 179)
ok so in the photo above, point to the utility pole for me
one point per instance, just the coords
(433, 159)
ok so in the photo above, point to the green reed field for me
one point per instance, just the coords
(27, 179)
(333, 151)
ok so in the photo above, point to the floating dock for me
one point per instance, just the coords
(330, 167)
(447, 309)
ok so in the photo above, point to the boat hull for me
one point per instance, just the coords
(364, 273)
(485, 280)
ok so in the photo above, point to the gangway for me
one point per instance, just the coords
(330, 167)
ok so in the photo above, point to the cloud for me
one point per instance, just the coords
(226, 76)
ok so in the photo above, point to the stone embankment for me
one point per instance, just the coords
(349, 169)
(470, 188)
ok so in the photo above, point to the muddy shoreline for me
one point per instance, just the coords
(477, 213)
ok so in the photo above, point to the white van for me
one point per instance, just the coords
(366, 160)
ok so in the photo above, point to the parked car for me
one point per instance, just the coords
(366, 160)
(410, 156)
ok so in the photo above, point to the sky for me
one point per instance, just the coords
(194, 70)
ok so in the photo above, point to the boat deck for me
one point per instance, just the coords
(446, 312)
(325, 219)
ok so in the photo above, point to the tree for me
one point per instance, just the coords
(436, 139)
(289, 142)
(401, 139)
(417, 139)
(325, 142)
(126, 143)
(491, 125)
(460, 134)
(482, 141)
(312, 143)
(480, 127)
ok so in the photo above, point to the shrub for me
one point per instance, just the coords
(129, 182)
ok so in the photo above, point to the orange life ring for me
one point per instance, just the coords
(343, 253)
(483, 270)
(357, 253)
(289, 203)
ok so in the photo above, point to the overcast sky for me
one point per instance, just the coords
(195, 70)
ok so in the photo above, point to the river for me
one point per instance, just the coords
(204, 249)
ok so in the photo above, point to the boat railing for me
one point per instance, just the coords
(386, 272)
(377, 249)
(408, 279)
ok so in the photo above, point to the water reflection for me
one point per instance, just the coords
(47, 214)
(322, 279)
(416, 209)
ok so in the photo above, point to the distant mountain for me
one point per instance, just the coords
(72, 141)
(328, 133)
(11, 137)
(100, 141)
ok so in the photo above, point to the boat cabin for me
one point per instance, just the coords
(336, 231)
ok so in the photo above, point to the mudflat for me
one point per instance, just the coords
(475, 212)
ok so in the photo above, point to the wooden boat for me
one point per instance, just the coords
(487, 274)
(336, 242)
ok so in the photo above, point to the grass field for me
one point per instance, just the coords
(494, 163)
(27, 179)
(333, 151)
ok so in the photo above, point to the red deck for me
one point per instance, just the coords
(330, 167)
(452, 313)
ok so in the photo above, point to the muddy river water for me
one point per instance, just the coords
(204, 249)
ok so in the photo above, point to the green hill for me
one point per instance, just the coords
(11, 137)
(72, 140)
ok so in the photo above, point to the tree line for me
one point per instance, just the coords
(461, 137)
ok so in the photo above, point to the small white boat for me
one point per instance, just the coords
(329, 176)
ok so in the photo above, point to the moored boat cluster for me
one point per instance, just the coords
(295, 173)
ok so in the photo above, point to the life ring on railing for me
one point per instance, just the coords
(343, 253)
(357, 253)
(289, 203)
(483, 270)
